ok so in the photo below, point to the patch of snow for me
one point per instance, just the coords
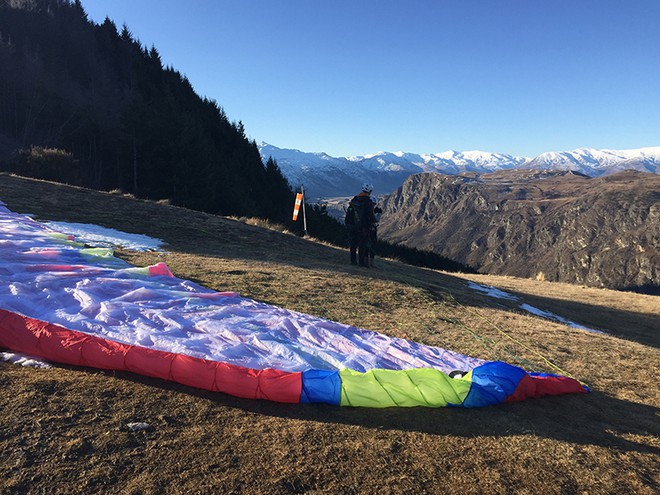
(97, 236)
(491, 291)
(23, 360)
(551, 316)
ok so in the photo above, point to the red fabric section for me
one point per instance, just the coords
(233, 380)
(58, 344)
(269, 384)
(538, 386)
(14, 334)
(526, 388)
(148, 362)
(193, 372)
(104, 354)
(216, 295)
(160, 269)
(557, 385)
(55, 268)
(275, 383)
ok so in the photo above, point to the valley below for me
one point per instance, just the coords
(555, 226)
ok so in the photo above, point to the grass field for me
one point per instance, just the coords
(63, 430)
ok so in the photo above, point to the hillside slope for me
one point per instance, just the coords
(64, 430)
(561, 226)
(89, 105)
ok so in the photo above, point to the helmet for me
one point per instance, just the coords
(366, 187)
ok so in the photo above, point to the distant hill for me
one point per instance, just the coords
(560, 226)
(325, 176)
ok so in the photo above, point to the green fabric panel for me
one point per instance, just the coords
(98, 252)
(403, 388)
(137, 272)
(65, 239)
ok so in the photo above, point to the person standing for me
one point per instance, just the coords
(359, 220)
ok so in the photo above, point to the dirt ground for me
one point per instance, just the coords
(64, 429)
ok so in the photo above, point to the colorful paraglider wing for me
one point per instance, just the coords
(70, 304)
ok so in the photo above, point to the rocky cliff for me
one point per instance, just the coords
(560, 226)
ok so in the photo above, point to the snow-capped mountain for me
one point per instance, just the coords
(325, 176)
(599, 162)
(449, 162)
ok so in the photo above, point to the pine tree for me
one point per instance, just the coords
(127, 121)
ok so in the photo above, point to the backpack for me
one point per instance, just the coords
(354, 214)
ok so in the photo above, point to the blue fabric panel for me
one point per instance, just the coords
(532, 373)
(492, 383)
(321, 386)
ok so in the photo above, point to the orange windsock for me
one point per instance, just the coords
(296, 206)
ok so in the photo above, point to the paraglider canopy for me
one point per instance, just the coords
(77, 305)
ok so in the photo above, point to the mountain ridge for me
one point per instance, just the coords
(559, 225)
(327, 176)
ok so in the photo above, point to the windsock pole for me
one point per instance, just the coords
(302, 193)
(300, 200)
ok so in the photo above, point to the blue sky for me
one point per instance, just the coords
(352, 77)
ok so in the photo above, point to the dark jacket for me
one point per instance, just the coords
(362, 203)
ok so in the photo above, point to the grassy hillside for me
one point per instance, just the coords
(63, 430)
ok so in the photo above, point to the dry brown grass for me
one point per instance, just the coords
(64, 430)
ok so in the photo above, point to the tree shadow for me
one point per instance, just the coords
(585, 419)
(594, 318)
(443, 285)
